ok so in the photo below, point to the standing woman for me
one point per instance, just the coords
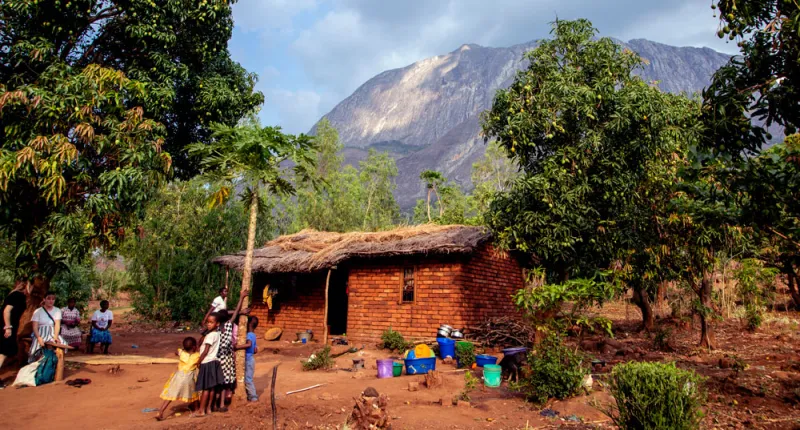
(70, 324)
(46, 322)
(13, 307)
(220, 303)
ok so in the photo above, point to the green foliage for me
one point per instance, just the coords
(168, 261)
(655, 396)
(493, 174)
(319, 360)
(599, 150)
(177, 50)
(661, 339)
(98, 99)
(77, 282)
(341, 198)
(393, 340)
(543, 303)
(110, 281)
(755, 285)
(470, 383)
(465, 354)
(451, 206)
(556, 371)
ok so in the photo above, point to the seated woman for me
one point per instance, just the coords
(70, 324)
(46, 322)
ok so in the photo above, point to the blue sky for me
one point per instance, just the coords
(311, 54)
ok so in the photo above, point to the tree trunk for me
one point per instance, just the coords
(707, 338)
(791, 278)
(246, 277)
(439, 200)
(429, 205)
(642, 300)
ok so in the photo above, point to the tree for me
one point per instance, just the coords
(377, 175)
(493, 174)
(432, 180)
(76, 164)
(452, 205)
(177, 50)
(597, 149)
(254, 158)
(179, 233)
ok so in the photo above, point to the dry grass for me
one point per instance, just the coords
(311, 250)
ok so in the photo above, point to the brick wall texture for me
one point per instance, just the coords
(461, 291)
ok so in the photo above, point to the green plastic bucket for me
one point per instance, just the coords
(491, 375)
(397, 369)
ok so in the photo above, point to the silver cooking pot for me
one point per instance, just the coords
(444, 330)
(457, 334)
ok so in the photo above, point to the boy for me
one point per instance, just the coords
(101, 322)
(250, 349)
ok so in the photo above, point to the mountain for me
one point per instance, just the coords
(427, 115)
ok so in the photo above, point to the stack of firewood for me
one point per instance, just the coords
(370, 412)
(503, 331)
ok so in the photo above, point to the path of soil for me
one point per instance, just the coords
(764, 395)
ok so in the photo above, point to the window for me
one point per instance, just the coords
(408, 285)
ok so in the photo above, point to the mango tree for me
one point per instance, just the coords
(598, 150)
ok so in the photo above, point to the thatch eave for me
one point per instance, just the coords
(311, 251)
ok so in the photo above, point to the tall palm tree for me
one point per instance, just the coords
(257, 159)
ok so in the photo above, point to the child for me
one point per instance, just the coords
(225, 355)
(250, 348)
(180, 385)
(210, 375)
(101, 322)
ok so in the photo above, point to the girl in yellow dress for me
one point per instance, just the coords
(180, 385)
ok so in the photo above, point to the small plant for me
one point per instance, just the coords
(465, 354)
(655, 396)
(661, 339)
(393, 340)
(557, 371)
(755, 285)
(470, 382)
(319, 360)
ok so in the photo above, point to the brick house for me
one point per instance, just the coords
(412, 279)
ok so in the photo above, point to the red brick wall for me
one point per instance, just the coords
(459, 291)
(298, 309)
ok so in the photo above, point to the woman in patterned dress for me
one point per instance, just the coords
(46, 322)
(70, 324)
(226, 355)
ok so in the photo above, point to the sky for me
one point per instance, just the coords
(311, 54)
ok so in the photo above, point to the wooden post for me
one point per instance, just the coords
(227, 272)
(325, 317)
(60, 365)
(272, 397)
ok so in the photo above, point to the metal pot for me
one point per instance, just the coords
(456, 334)
(444, 330)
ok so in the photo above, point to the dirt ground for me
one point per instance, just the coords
(764, 395)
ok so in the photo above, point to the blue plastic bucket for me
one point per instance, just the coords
(492, 375)
(483, 360)
(420, 366)
(447, 347)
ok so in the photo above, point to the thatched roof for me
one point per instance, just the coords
(311, 250)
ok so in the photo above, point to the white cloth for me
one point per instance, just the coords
(40, 316)
(26, 376)
(102, 318)
(211, 339)
(219, 304)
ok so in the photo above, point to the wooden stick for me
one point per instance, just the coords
(304, 389)
(272, 397)
(325, 317)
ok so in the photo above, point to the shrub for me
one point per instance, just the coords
(557, 371)
(465, 354)
(661, 339)
(393, 340)
(655, 396)
(319, 360)
(755, 286)
(470, 382)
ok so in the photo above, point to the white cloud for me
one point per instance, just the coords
(262, 15)
(295, 110)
